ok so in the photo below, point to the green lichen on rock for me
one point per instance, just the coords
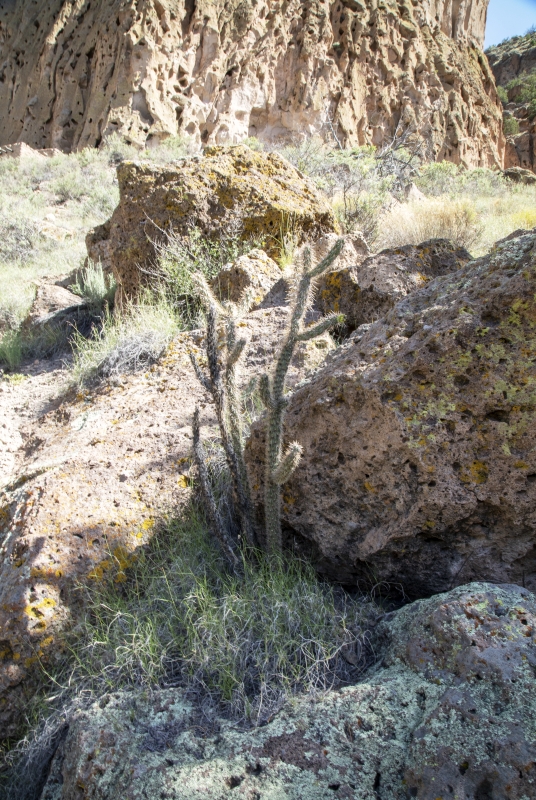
(452, 705)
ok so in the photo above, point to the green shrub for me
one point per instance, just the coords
(97, 288)
(510, 126)
(11, 349)
(445, 178)
(503, 94)
(178, 257)
(523, 90)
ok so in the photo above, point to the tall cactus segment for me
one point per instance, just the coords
(221, 383)
(279, 467)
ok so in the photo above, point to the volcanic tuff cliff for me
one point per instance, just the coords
(74, 71)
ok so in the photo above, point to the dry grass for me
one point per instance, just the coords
(412, 223)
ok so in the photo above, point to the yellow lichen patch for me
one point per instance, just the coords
(182, 482)
(369, 487)
(147, 524)
(36, 610)
(477, 472)
(98, 572)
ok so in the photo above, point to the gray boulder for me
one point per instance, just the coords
(450, 713)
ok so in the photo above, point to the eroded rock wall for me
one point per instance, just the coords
(72, 72)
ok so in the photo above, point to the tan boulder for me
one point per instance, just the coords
(519, 175)
(419, 465)
(262, 191)
(247, 280)
(365, 292)
(50, 300)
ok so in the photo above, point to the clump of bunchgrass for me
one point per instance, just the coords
(248, 643)
(127, 343)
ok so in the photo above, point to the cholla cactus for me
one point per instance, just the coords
(279, 467)
(220, 382)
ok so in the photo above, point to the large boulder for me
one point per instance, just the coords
(262, 193)
(365, 290)
(419, 463)
(449, 714)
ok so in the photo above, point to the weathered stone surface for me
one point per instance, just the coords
(453, 705)
(98, 246)
(87, 482)
(519, 175)
(247, 280)
(366, 292)
(220, 71)
(263, 190)
(49, 300)
(354, 249)
(419, 462)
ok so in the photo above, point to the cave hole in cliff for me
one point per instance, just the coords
(189, 8)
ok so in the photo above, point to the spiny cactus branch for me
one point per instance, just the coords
(278, 469)
(288, 463)
(320, 327)
(222, 385)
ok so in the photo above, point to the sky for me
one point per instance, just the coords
(509, 18)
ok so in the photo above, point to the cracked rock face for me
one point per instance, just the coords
(419, 466)
(73, 73)
(451, 708)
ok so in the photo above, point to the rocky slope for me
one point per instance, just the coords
(73, 72)
(450, 713)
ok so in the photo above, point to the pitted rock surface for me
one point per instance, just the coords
(430, 721)
(365, 290)
(264, 191)
(248, 280)
(419, 461)
(220, 71)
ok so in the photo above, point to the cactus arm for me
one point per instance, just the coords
(328, 260)
(205, 382)
(277, 469)
(320, 327)
(288, 463)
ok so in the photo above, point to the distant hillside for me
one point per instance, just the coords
(514, 66)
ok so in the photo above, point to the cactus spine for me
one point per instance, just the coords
(221, 383)
(279, 467)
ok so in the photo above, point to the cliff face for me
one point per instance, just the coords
(513, 62)
(74, 71)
